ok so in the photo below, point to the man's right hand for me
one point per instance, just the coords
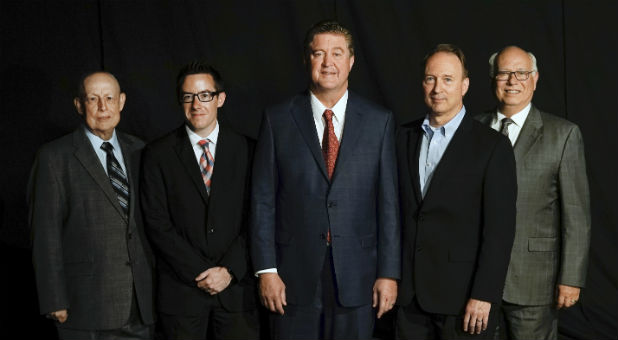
(59, 315)
(272, 292)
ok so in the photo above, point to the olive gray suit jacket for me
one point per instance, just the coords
(87, 255)
(553, 215)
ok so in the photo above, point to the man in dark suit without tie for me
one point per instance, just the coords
(324, 220)
(195, 183)
(92, 263)
(458, 192)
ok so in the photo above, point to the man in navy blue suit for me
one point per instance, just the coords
(325, 234)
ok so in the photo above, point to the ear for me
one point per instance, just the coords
(535, 78)
(464, 86)
(220, 99)
(123, 99)
(78, 106)
(351, 62)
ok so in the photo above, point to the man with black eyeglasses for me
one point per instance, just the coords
(550, 254)
(195, 194)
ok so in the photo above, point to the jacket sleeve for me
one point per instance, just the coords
(498, 223)
(47, 201)
(575, 211)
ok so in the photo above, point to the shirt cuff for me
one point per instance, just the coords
(264, 271)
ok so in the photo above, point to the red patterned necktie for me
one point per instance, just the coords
(330, 149)
(207, 163)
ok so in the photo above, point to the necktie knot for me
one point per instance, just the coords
(107, 147)
(204, 142)
(328, 115)
(504, 129)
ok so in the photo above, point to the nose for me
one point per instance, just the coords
(195, 103)
(102, 104)
(327, 60)
(437, 87)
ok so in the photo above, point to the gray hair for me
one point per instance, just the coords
(492, 60)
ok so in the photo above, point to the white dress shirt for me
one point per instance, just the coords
(518, 122)
(197, 149)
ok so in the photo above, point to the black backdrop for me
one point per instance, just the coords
(257, 45)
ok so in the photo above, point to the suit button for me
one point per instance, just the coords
(128, 263)
(130, 235)
(332, 204)
(211, 230)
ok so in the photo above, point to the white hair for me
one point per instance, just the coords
(492, 60)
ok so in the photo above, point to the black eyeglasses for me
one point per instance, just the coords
(519, 75)
(204, 97)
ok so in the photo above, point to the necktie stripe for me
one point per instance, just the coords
(117, 178)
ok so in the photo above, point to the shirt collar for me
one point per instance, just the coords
(447, 130)
(519, 118)
(97, 141)
(338, 109)
(195, 138)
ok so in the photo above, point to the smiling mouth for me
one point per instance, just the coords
(512, 91)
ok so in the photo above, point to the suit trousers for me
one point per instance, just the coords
(529, 322)
(213, 322)
(415, 323)
(134, 329)
(326, 318)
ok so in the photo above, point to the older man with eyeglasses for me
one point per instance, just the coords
(195, 193)
(550, 253)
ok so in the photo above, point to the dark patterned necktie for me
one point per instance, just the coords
(504, 128)
(117, 178)
(207, 163)
(330, 144)
(330, 149)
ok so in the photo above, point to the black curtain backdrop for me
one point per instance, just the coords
(257, 46)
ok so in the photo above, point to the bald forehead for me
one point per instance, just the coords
(102, 77)
(513, 53)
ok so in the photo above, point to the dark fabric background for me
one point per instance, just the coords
(257, 45)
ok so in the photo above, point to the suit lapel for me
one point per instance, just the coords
(351, 132)
(301, 112)
(529, 134)
(184, 150)
(414, 143)
(224, 163)
(89, 160)
(452, 155)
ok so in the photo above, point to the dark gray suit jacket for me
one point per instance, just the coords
(87, 256)
(553, 210)
(294, 203)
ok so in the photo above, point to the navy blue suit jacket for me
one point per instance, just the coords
(294, 203)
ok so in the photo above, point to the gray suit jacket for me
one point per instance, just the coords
(87, 256)
(553, 210)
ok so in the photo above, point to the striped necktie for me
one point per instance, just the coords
(207, 163)
(117, 177)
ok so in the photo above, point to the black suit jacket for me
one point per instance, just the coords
(191, 231)
(294, 203)
(87, 255)
(457, 240)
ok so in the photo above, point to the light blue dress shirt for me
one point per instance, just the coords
(97, 141)
(435, 141)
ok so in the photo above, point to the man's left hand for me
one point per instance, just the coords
(214, 280)
(384, 295)
(477, 316)
(567, 296)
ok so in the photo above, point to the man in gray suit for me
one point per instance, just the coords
(550, 253)
(92, 263)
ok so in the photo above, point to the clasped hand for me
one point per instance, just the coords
(214, 280)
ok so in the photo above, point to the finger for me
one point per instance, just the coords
(485, 321)
(279, 306)
(374, 301)
(283, 299)
(479, 325)
(466, 321)
(561, 301)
